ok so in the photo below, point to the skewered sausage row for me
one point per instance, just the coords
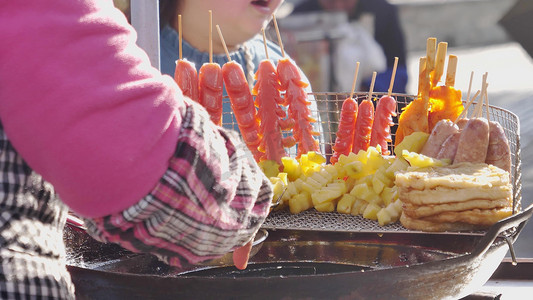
(345, 132)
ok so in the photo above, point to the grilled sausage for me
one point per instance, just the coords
(474, 142)
(442, 130)
(498, 152)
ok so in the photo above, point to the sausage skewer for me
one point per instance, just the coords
(185, 73)
(345, 132)
(296, 101)
(242, 102)
(385, 110)
(210, 83)
(364, 122)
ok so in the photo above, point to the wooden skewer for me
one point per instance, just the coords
(470, 85)
(391, 85)
(180, 34)
(210, 36)
(478, 112)
(371, 90)
(465, 111)
(430, 54)
(265, 42)
(278, 34)
(223, 42)
(452, 69)
(486, 97)
(439, 63)
(354, 79)
(421, 78)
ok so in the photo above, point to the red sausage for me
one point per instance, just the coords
(298, 106)
(186, 77)
(498, 152)
(268, 100)
(442, 130)
(210, 90)
(345, 132)
(363, 126)
(381, 134)
(243, 106)
(474, 142)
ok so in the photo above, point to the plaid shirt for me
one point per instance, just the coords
(200, 209)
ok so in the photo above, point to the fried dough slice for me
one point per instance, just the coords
(461, 175)
(442, 195)
(428, 226)
(421, 211)
(485, 217)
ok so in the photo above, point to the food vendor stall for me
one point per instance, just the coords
(320, 255)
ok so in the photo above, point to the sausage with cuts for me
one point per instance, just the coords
(381, 133)
(345, 132)
(186, 77)
(363, 126)
(210, 90)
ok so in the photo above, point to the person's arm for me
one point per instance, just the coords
(82, 105)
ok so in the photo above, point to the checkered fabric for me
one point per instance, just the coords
(32, 253)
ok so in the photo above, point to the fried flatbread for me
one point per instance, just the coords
(428, 226)
(442, 195)
(461, 175)
(421, 211)
(475, 216)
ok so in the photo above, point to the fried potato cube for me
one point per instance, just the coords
(325, 207)
(399, 164)
(315, 157)
(371, 211)
(412, 143)
(422, 161)
(300, 202)
(269, 167)
(359, 207)
(383, 217)
(325, 195)
(346, 203)
(389, 194)
(292, 167)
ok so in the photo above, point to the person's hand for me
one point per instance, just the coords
(241, 256)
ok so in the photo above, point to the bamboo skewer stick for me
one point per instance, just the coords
(265, 43)
(371, 90)
(393, 76)
(431, 48)
(210, 36)
(223, 43)
(478, 112)
(279, 35)
(439, 63)
(450, 72)
(470, 85)
(354, 79)
(180, 34)
(465, 111)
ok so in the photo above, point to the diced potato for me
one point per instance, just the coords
(344, 159)
(270, 168)
(422, 161)
(394, 209)
(283, 177)
(383, 217)
(377, 185)
(355, 169)
(371, 211)
(300, 202)
(325, 195)
(365, 192)
(298, 184)
(345, 204)
(325, 207)
(332, 170)
(389, 194)
(319, 178)
(397, 165)
(292, 167)
(359, 207)
(316, 157)
(327, 175)
(412, 143)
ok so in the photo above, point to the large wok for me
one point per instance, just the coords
(315, 255)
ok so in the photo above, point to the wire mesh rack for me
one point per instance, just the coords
(325, 109)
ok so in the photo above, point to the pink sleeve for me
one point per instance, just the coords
(81, 103)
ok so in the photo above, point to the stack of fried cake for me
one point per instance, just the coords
(464, 196)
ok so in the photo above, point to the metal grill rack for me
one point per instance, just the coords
(328, 106)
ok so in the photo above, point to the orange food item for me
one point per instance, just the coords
(445, 103)
(298, 106)
(345, 132)
(363, 126)
(186, 77)
(242, 103)
(381, 134)
(210, 90)
(270, 114)
(413, 118)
